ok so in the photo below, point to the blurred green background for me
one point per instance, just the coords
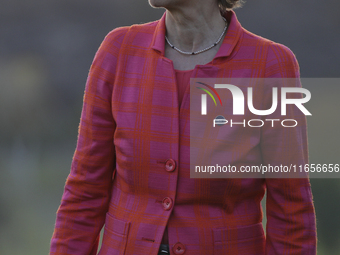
(46, 49)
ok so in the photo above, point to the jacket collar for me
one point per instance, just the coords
(228, 44)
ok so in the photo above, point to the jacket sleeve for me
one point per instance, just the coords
(85, 200)
(291, 227)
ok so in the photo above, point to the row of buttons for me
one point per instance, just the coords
(170, 166)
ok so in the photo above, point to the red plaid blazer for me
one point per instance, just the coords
(130, 170)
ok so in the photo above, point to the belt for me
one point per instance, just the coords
(164, 249)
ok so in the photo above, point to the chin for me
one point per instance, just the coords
(160, 3)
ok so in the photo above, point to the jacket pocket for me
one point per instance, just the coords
(248, 240)
(115, 236)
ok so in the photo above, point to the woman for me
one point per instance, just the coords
(130, 170)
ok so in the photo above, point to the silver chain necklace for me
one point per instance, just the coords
(199, 51)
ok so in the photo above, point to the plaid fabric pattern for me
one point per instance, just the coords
(131, 128)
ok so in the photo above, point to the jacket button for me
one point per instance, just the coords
(170, 165)
(167, 203)
(178, 248)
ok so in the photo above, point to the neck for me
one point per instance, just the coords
(192, 28)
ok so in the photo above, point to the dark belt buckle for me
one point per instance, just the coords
(163, 249)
